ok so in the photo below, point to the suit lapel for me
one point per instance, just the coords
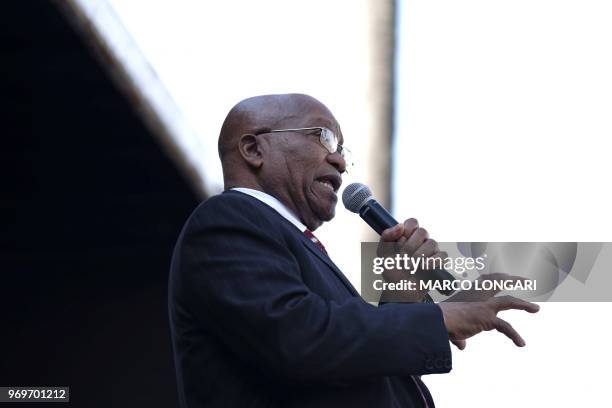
(307, 243)
(319, 254)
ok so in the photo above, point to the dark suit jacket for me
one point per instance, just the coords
(261, 317)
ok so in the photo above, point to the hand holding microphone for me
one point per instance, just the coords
(465, 314)
(414, 241)
(409, 238)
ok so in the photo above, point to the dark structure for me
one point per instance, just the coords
(91, 210)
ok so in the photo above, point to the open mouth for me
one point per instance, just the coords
(330, 182)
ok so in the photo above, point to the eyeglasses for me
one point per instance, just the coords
(328, 140)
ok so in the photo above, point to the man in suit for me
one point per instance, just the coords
(261, 316)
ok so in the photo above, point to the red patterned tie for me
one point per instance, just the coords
(315, 240)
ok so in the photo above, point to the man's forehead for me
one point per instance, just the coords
(312, 116)
(307, 121)
(286, 111)
(329, 122)
(322, 120)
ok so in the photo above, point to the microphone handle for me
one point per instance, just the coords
(379, 219)
(376, 216)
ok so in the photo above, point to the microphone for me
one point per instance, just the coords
(358, 198)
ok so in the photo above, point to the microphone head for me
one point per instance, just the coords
(355, 195)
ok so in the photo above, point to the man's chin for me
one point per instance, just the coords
(318, 218)
(323, 210)
(327, 214)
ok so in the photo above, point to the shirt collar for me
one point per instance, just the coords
(275, 204)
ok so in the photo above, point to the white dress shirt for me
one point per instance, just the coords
(275, 204)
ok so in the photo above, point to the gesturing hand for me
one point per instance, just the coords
(466, 319)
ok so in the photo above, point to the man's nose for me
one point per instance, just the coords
(336, 160)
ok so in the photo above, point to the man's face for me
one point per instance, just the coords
(300, 171)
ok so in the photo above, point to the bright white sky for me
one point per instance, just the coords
(212, 54)
(503, 121)
(508, 105)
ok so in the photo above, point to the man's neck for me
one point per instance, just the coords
(275, 203)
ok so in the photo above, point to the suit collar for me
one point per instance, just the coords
(273, 202)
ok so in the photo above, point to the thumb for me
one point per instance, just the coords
(459, 343)
(392, 234)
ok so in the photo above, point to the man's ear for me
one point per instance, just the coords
(250, 150)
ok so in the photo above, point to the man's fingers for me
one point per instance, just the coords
(400, 232)
(506, 328)
(392, 234)
(410, 225)
(459, 343)
(428, 249)
(417, 239)
(440, 254)
(509, 302)
(402, 241)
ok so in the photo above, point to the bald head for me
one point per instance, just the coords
(261, 114)
(291, 166)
